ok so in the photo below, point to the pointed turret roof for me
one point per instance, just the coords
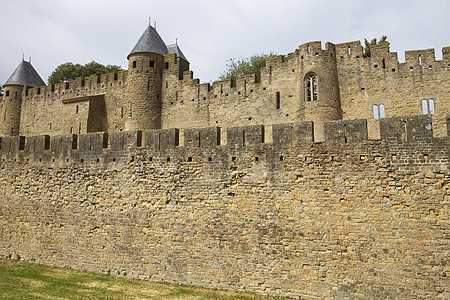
(150, 41)
(174, 49)
(25, 74)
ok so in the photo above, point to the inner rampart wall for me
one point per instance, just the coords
(349, 217)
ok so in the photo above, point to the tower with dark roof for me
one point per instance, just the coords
(23, 78)
(144, 82)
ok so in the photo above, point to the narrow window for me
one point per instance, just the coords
(131, 110)
(376, 116)
(311, 88)
(50, 125)
(7, 93)
(67, 85)
(98, 79)
(424, 106)
(166, 65)
(79, 128)
(82, 82)
(152, 64)
(349, 50)
(116, 76)
(278, 104)
(420, 59)
(121, 112)
(308, 49)
(384, 63)
(379, 111)
(38, 91)
(134, 64)
(431, 106)
(382, 112)
(53, 87)
(76, 110)
(26, 92)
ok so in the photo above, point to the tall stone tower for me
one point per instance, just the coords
(23, 78)
(144, 83)
(320, 100)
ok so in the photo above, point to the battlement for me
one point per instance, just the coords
(105, 149)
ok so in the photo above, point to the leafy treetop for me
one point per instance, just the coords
(69, 71)
(367, 44)
(245, 66)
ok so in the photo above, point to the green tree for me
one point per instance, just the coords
(245, 66)
(367, 44)
(69, 71)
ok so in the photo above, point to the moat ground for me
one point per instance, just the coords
(20, 280)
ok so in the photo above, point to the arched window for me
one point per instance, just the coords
(378, 111)
(428, 106)
(311, 88)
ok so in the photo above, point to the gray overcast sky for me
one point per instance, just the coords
(209, 32)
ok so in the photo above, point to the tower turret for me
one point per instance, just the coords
(144, 83)
(24, 77)
(320, 100)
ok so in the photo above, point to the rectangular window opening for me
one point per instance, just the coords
(278, 103)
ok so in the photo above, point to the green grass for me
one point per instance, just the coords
(21, 280)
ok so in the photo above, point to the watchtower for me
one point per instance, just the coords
(320, 100)
(23, 78)
(144, 83)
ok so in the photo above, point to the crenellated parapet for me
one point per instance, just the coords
(110, 150)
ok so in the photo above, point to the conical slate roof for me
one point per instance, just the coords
(25, 74)
(150, 41)
(174, 49)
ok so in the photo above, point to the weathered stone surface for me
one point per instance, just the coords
(358, 220)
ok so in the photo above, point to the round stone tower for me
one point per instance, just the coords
(144, 82)
(24, 77)
(320, 97)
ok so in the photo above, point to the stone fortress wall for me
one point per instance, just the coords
(350, 217)
(349, 85)
(253, 184)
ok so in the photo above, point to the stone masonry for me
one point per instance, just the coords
(328, 178)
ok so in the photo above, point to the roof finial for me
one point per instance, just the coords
(155, 24)
(23, 56)
(149, 21)
(176, 41)
(30, 60)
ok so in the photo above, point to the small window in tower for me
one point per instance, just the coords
(67, 85)
(82, 82)
(98, 79)
(53, 87)
(277, 103)
(134, 64)
(116, 76)
(152, 64)
(7, 93)
(77, 109)
(166, 65)
(311, 88)
(39, 91)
